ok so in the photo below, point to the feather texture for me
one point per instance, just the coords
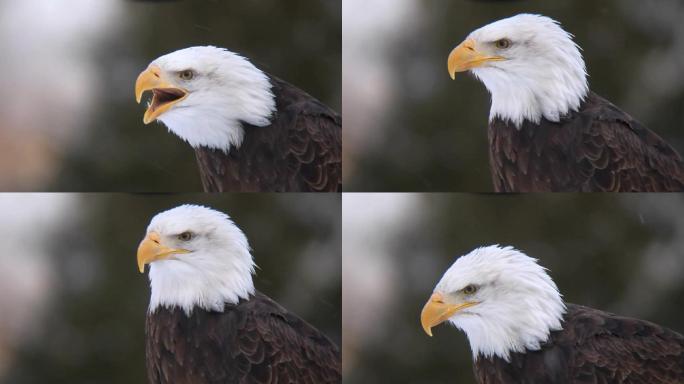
(597, 148)
(255, 341)
(301, 150)
(594, 347)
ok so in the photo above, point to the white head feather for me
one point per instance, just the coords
(217, 270)
(518, 303)
(543, 74)
(226, 91)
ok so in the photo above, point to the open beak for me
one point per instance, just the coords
(164, 94)
(436, 311)
(465, 57)
(150, 250)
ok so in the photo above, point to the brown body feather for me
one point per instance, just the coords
(597, 148)
(255, 341)
(301, 151)
(594, 347)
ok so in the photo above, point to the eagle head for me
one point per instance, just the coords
(530, 65)
(198, 258)
(205, 94)
(501, 298)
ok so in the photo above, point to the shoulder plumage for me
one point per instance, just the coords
(598, 148)
(598, 345)
(256, 341)
(301, 150)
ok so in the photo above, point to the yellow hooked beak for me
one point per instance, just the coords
(436, 311)
(150, 249)
(165, 94)
(465, 57)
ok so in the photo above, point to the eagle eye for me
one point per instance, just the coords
(503, 43)
(469, 289)
(186, 236)
(186, 75)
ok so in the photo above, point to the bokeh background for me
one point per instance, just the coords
(409, 127)
(623, 254)
(73, 304)
(69, 121)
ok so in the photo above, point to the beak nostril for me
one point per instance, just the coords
(437, 299)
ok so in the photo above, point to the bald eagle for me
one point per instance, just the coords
(251, 132)
(521, 331)
(547, 130)
(207, 324)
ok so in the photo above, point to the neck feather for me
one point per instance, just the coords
(176, 283)
(512, 328)
(540, 89)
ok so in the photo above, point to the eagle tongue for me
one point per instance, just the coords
(165, 95)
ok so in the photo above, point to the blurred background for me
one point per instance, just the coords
(69, 121)
(623, 254)
(409, 127)
(73, 304)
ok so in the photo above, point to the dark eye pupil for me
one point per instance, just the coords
(503, 43)
(186, 75)
(185, 236)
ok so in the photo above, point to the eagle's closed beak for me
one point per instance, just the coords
(437, 311)
(165, 94)
(150, 249)
(465, 56)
